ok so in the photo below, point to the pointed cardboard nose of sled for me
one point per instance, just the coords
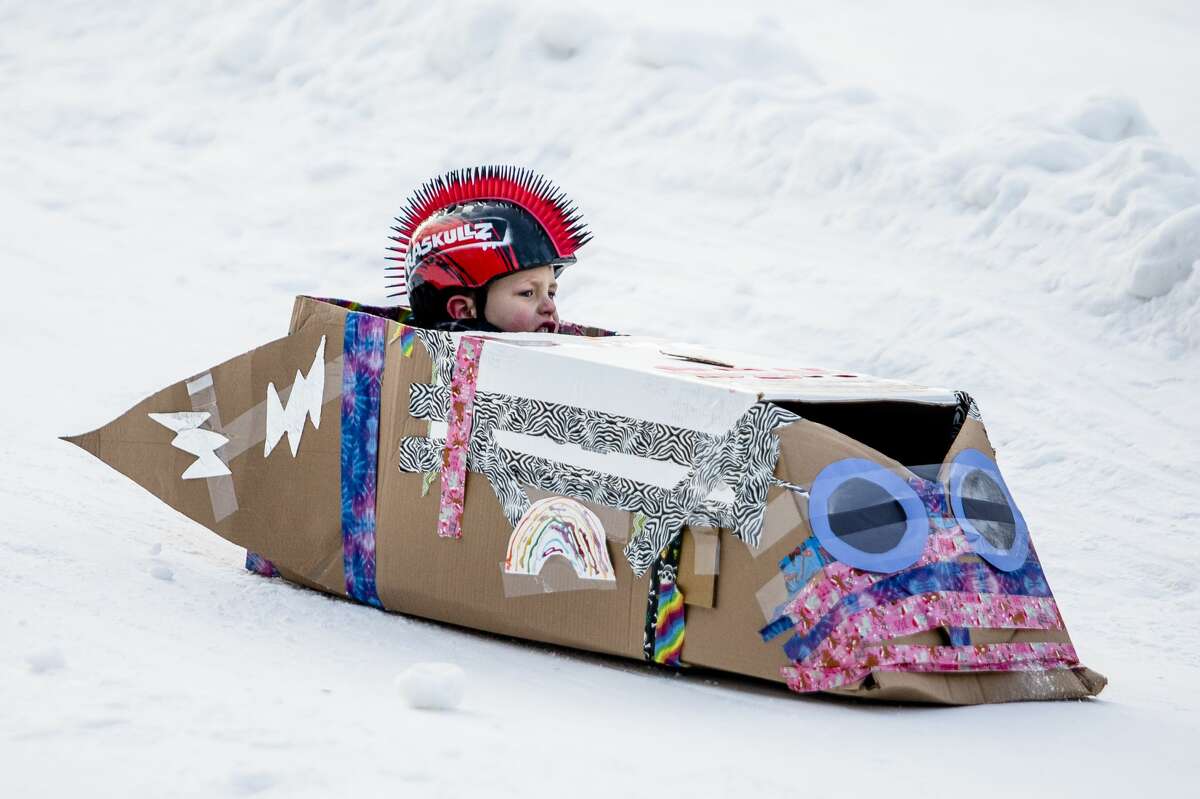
(88, 442)
(251, 449)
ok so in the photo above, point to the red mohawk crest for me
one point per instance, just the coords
(469, 250)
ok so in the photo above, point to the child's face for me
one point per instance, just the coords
(524, 302)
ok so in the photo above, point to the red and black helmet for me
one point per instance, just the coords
(465, 228)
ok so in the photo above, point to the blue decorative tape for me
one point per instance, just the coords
(798, 567)
(960, 636)
(363, 348)
(260, 565)
(936, 577)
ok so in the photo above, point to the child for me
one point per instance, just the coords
(482, 248)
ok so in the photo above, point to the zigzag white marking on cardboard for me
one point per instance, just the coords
(303, 402)
(194, 441)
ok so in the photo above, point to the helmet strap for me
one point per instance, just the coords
(481, 294)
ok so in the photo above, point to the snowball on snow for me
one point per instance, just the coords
(162, 572)
(432, 686)
(46, 660)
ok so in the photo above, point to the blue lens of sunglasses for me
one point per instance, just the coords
(984, 508)
(867, 516)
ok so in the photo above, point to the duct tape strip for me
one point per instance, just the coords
(773, 597)
(250, 428)
(220, 488)
(554, 577)
(697, 566)
(458, 436)
(665, 614)
(362, 376)
(781, 517)
(707, 542)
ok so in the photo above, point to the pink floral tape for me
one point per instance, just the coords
(913, 657)
(839, 580)
(854, 649)
(458, 436)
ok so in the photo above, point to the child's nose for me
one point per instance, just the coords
(547, 305)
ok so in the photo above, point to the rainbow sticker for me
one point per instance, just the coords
(563, 527)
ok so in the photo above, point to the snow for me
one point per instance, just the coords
(162, 572)
(432, 686)
(999, 198)
(46, 660)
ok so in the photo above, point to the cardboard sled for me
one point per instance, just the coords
(624, 495)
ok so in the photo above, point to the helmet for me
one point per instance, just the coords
(465, 228)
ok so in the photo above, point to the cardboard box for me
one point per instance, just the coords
(622, 495)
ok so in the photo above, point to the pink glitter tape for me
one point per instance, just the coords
(458, 436)
(913, 657)
(917, 614)
(838, 580)
(852, 649)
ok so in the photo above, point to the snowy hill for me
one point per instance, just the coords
(1000, 200)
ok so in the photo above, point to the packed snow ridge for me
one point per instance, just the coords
(1084, 199)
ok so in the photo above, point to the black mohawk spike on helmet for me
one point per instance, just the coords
(466, 227)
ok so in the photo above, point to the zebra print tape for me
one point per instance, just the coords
(441, 351)
(564, 424)
(423, 455)
(964, 409)
(744, 458)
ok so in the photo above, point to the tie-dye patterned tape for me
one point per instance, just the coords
(260, 565)
(669, 626)
(665, 612)
(458, 436)
(912, 657)
(364, 343)
(397, 313)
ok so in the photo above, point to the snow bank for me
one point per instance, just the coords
(1167, 255)
(1082, 199)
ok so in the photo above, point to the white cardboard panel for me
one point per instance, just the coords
(627, 387)
(715, 373)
